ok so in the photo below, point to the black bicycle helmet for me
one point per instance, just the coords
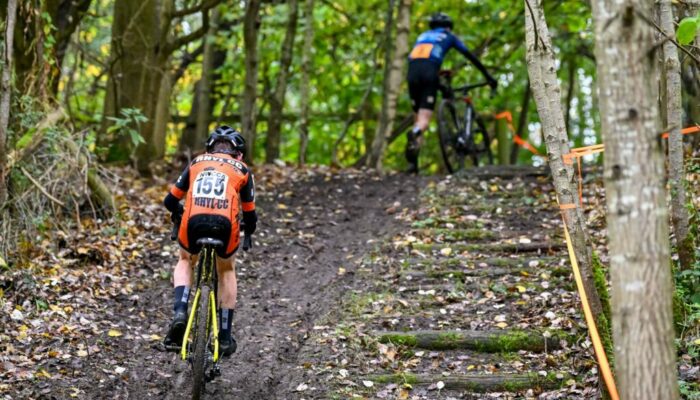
(440, 20)
(227, 134)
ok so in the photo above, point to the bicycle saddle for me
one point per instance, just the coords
(210, 242)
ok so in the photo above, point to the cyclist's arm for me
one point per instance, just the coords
(250, 218)
(462, 48)
(177, 192)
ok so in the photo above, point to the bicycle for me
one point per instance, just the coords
(462, 131)
(202, 351)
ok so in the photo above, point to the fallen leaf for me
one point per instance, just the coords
(301, 387)
(446, 251)
(114, 333)
(368, 384)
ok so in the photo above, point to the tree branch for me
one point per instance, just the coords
(204, 6)
(665, 36)
(173, 45)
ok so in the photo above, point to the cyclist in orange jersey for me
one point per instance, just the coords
(213, 184)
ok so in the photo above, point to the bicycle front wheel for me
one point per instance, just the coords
(199, 344)
(450, 126)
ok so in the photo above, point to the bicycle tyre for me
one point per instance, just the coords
(449, 126)
(199, 360)
(480, 142)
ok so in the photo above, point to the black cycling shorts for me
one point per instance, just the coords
(423, 83)
(210, 226)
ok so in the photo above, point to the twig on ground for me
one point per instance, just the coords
(41, 188)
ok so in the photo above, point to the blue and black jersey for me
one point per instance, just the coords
(434, 44)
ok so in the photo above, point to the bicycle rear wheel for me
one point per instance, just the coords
(199, 344)
(480, 142)
(450, 125)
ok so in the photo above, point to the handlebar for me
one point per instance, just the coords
(467, 88)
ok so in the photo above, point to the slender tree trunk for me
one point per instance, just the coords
(569, 94)
(395, 59)
(6, 93)
(306, 65)
(691, 74)
(547, 94)
(674, 121)
(251, 26)
(206, 82)
(637, 217)
(522, 122)
(274, 122)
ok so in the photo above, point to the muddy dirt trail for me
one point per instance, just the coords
(311, 229)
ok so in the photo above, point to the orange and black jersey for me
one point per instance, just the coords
(212, 186)
(214, 182)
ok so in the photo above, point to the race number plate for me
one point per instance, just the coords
(211, 184)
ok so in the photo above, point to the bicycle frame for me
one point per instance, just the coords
(206, 272)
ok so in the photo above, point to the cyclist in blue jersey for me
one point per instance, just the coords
(424, 64)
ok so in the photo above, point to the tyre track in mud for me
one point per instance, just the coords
(312, 229)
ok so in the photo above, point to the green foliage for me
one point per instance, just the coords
(687, 29)
(128, 124)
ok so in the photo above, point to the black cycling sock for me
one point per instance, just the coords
(225, 321)
(182, 294)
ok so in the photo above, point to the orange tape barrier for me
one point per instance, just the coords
(516, 138)
(684, 131)
(579, 152)
(590, 321)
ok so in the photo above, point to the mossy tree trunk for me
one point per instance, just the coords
(637, 217)
(38, 67)
(6, 92)
(138, 79)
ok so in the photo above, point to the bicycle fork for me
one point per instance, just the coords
(214, 326)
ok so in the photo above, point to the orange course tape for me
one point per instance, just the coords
(516, 138)
(684, 131)
(603, 362)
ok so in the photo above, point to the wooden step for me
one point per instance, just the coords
(495, 341)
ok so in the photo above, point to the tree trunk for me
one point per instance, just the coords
(204, 99)
(547, 94)
(136, 74)
(251, 26)
(141, 47)
(637, 217)
(306, 65)
(35, 77)
(522, 122)
(6, 93)
(680, 215)
(570, 95)
(503, 141)
(395, 59)
(274, 122)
